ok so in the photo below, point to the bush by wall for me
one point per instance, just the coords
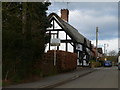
(96, 64)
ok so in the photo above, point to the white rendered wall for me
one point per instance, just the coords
(62, 46)
(62, 35)
(68, 37)
(70, 48)
(47, 47)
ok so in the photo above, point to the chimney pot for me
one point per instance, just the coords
(65, 14)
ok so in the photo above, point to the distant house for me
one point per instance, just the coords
(100, 52)
(71, 39)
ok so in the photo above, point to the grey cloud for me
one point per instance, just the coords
(100, 6)
(91, 14)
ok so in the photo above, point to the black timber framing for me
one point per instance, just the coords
(63, 29)
(57, 37)
(66, 41)
(55, 30)
(53, 25)
(71, 43)
(81, 55)
(57, 23)
(66, 44)
(75, 51)
(62, 41)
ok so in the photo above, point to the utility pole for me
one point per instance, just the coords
(104, 49)
(96, 42)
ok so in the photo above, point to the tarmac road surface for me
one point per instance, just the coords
(104, 77)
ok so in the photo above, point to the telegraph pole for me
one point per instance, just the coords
(104, 49)
(96, 42)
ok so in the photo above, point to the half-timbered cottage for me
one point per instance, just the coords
(71, 39)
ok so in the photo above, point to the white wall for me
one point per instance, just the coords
(62, 35)
(47, 47)
(70, 48)
(62, 46)
(68, 37)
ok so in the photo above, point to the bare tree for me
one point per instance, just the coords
(112, 53)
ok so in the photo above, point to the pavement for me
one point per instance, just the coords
(53, 81)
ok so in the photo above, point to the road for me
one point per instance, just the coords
(104, 77)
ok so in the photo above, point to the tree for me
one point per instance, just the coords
(112, 53)
(23, 30)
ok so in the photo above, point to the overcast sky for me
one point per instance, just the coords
(86, 16)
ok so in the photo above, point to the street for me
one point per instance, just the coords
(101, 77)
(104, 77)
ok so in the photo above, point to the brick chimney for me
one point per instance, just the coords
(65, 14)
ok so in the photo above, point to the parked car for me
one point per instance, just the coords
(107, 63)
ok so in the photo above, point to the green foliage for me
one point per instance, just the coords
(24, 26)
(92, 60)
(112, 58)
